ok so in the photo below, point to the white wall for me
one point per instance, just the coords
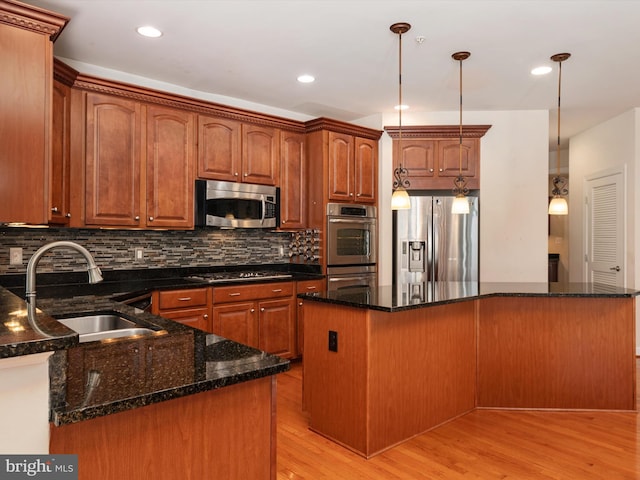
(609, 145)
(513, 192)
(612, 144)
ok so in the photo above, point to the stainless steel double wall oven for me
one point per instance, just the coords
(351, 246)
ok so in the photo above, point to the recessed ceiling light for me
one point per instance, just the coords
(401, 107)
(149, 31)
(306, 78)
(541, 70)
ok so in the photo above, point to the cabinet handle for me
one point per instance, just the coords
(358, 194)
(312, 287)
(262, 309)
(351, 194)
(235, 294)
(252, 310)
(431, 170)
(235, 174)
(246, 174)
(68, 215)
(136, 218)
(151, 219)
(284, 221)
(300, 304)
(54, 210)
(150, 348)
(441, 170)
(135, 350)
(276, 290)
(205, 316)
(184, 299)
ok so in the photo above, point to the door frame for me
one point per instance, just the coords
(618, 170)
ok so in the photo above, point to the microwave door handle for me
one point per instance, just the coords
(264, 209)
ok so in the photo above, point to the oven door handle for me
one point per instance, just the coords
(342, 279)
(351, 220)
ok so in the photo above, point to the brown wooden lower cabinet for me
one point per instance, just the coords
(305, 286)
(260, 315)
(228, 433)
(188, 306)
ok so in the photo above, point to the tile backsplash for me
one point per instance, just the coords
(115, 249)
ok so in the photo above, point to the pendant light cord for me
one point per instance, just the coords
(558, 140)
(460, 146)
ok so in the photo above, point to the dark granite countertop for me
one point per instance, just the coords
(19, 337)
(420, 295)
(127, 372)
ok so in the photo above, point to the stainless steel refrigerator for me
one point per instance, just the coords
(431, 245)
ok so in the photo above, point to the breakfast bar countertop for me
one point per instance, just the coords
(395, 298)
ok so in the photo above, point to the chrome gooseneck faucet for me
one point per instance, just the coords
(95, 275)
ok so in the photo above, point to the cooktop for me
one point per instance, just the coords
(216, 277)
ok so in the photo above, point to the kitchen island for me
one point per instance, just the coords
(383, 365)
(179, 403)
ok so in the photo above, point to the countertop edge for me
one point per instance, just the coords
(59, 418)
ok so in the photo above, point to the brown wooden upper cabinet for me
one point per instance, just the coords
(352, 168)
(59, 194)
(238, 152)
(26, 65)
(342, 166)
(293, 174)
(138, 164)
(433, 157)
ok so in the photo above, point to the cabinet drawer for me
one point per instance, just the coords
(240, 293)
(171, 299)
(310, 286)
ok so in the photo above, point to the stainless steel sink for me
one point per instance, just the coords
(123, 332)
(103, 326)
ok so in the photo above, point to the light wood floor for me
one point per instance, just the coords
(484, 444)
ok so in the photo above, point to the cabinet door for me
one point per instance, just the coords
(112, 176)
(219, 151)
(340, 167)
(260, 154)
(293, 170)
(418, 157)
(169, 175)
(365, 170)
(237, 322)
(59, 189)
(449, 159)
(194, 317)
(25, 82)
(305, 286)
(276, 327)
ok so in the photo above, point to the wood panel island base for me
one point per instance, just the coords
(226, 433)
(378, 372)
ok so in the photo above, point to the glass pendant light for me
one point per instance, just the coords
(460, 204)
(558, 204)
(400, 198)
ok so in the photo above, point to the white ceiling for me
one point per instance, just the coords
(254, 50)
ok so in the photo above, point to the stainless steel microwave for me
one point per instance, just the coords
(236, 205)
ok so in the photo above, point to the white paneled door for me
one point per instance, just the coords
(605, 228)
